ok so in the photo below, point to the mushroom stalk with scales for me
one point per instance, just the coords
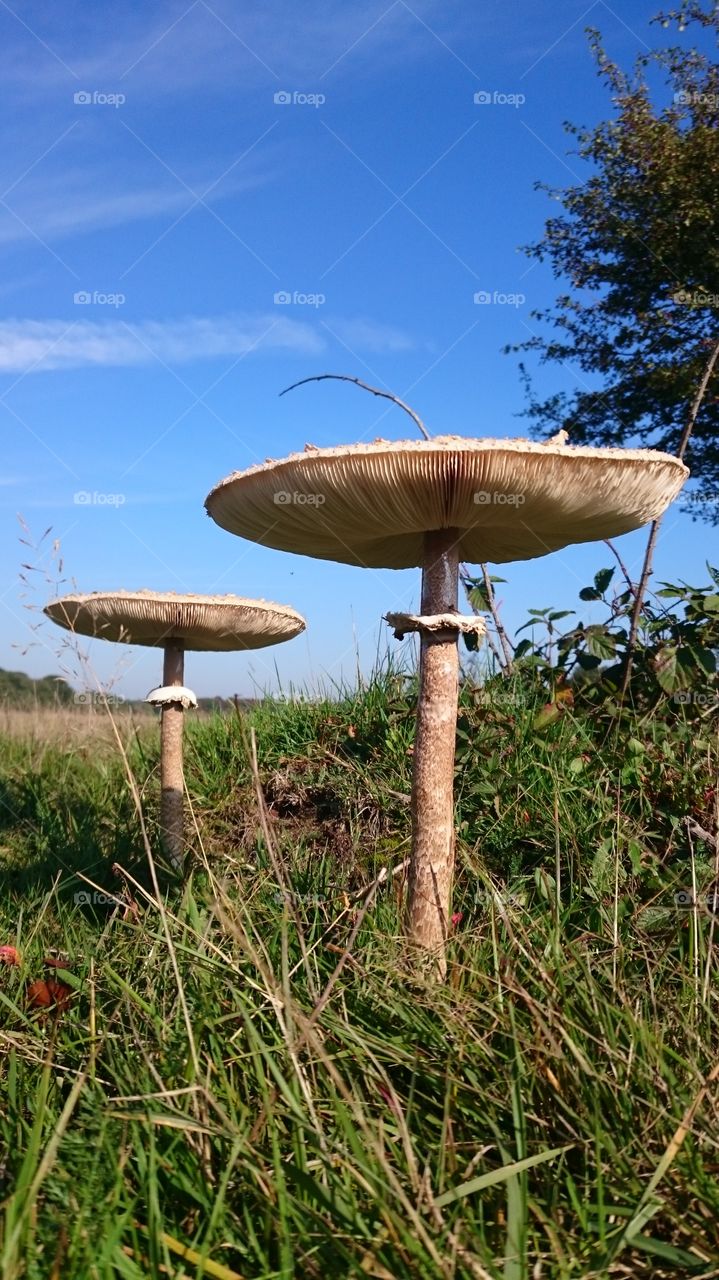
(431, 504)
(176, 623)
(172, 781)
(432, 863)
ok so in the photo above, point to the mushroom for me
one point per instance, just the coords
(176, 623)
(431, 504)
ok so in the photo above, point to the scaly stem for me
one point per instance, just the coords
(432, 853)
(171, 775)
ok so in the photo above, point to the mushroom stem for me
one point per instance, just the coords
(171, 775)
(432, 853)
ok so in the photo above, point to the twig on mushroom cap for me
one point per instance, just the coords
(387, 395)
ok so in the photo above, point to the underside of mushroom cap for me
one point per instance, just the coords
(210, 623)
(373, 504)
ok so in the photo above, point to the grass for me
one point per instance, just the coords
(233, 1092)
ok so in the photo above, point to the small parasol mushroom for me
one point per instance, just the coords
(175, 623)
(431, 504)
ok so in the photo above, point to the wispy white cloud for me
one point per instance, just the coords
(45, 345)
(75, 202)
(180, 45)
(366, 335)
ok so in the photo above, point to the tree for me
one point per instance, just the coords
(638, 242)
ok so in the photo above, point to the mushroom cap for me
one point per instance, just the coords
(372, 504)
(216, 624)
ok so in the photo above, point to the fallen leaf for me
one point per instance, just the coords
(548, 714)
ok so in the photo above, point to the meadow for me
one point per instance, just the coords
(250, 1079)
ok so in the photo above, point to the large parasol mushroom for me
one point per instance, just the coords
(431, 504)
(175, 623)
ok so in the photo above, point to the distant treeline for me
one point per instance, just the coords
(20, 691)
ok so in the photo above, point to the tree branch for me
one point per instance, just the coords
(345, 377)
(498, 624)
(656, 524)
(625, 573)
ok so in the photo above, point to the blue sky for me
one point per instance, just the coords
(170, 170)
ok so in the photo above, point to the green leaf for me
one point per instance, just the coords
(666, 669)
(704, 658)
(600, 642)
(478, 598)
(669, 1252)
(587, 662)
(602, 579)
(548, 714)
(496, 1176)
(589, 593)
(523, 647)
